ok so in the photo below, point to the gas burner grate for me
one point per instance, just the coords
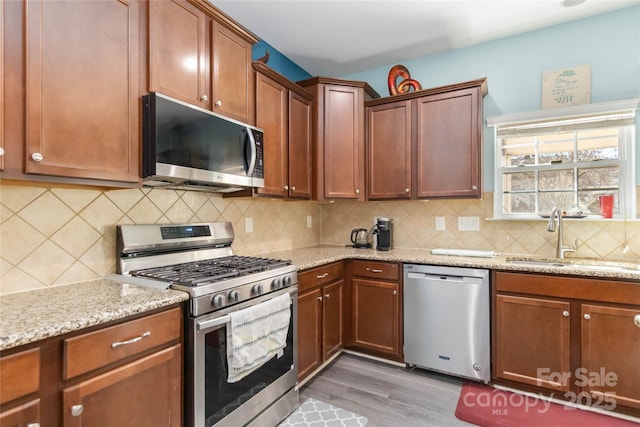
(209, 271)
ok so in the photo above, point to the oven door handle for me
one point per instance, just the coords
(208, 324)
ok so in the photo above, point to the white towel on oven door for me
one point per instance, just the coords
(256, 334)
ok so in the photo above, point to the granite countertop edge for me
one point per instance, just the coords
(35, 315)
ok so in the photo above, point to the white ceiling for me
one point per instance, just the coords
(338, 38)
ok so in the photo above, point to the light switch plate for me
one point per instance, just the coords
(248, 224)
(468, 223)
(309, 221)
(440, 224)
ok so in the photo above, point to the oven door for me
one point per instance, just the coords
(210, 399)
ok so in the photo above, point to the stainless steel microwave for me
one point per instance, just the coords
(187, 147)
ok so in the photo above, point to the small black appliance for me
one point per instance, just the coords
(385, 234)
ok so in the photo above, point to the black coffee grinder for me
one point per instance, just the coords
(385, 234)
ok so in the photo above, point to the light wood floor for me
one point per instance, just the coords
(387, 395)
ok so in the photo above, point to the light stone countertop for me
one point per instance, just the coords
(30, 316)
(306, 258)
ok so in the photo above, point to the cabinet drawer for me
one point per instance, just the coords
(93, 350)
(19, 375)
(376, 270)
(320, 276)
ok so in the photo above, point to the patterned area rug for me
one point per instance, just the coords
(314, 413)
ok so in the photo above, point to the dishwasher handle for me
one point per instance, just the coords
(442, 277)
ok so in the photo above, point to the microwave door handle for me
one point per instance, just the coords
(253, 155)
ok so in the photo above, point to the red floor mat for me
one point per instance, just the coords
(489, 407)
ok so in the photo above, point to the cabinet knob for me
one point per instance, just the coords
(587, 316)
(204, 98)
(76, 410)
(218, 103)
(395, 292)
(320, 298)
(293, 188)
(636, 320)
(357, 191)
(326, 296)
(36, 157)
(474, 187)
(1, 151)
(565, 313)
(286, 187)
(406, 190)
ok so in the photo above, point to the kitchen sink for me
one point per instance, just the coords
(576, 264)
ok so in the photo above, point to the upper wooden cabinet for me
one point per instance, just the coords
(198, 55)
(82, 97)
(283, 111)
(427, 144)
(338, 132)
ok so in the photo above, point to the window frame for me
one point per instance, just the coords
(626, 159)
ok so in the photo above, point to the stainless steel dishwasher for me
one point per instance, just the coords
(446, 320)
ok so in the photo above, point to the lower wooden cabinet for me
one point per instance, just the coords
(577, 339)
(376, 308)
(100, 378)
(320, 316)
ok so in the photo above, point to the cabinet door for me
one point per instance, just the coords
(146, 392)
(22, 416)
(376, 314)
(532, 341)
(82, 104)
(332, 319)
(299, 146)
(343, 143)
(610, 342)
(449, 145)
(178, 59)
(309, 332)
(389, 151)
(271, 116)
(231, 77)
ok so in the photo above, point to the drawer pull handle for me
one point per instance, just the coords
(76, 410)
(636, 320)
(322, 276)
(33, 425)
(131, 341)
(374, 270)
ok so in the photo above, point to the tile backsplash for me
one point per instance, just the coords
(57, 235)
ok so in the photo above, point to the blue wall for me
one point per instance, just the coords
(609, 42)
(278, 62)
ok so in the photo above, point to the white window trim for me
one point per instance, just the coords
(627, 151)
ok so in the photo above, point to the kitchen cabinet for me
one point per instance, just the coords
(283, 111)
(320, 316)
(2, 6)
(199, 56)
(577, 337)
(126, 374)
(376, 307)
(426, 144)
(82, 93)
(19, 387)
(338, 137)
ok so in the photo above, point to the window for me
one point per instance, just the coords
(566, 157)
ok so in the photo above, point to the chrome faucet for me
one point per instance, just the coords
(561, 249)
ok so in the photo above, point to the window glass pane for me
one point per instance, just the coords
(590, 201)
(602, 178)
(518, 151)
(520, 181)
(519, 203)
(598, 144)
(563, 200)
(556, 147)
(561, 179)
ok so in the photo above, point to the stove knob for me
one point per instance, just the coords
(218, 301)
(234, 296)
(286, 281)
(276, 284)
(256, 290)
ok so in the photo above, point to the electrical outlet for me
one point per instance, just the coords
(440, 225)
(468, 223)
(248, 224)
(309, 221)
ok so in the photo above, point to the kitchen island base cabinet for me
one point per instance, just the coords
(25, 415)
(574, 338)
(320, 316)
(376, 309)
(142, 393)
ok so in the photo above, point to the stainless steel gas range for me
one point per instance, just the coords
(198, 259)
